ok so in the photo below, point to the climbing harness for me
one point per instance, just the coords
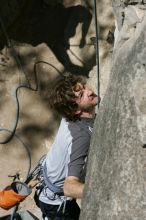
(44, 182)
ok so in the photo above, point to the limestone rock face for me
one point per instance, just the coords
(116, 175)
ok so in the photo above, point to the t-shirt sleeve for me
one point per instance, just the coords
(78, 155)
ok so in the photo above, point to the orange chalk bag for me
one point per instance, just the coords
(14, 194)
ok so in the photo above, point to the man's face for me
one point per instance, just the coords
(85, 98)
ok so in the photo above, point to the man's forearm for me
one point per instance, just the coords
(73, 188)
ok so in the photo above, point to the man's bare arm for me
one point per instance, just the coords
(73, 187)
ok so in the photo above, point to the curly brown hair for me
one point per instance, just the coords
(62, 97)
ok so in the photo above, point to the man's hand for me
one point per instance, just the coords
(73, 187)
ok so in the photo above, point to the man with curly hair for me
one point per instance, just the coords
(65, 163)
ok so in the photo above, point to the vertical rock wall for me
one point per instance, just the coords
(115, 185)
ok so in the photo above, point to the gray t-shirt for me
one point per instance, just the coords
(67, 156)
